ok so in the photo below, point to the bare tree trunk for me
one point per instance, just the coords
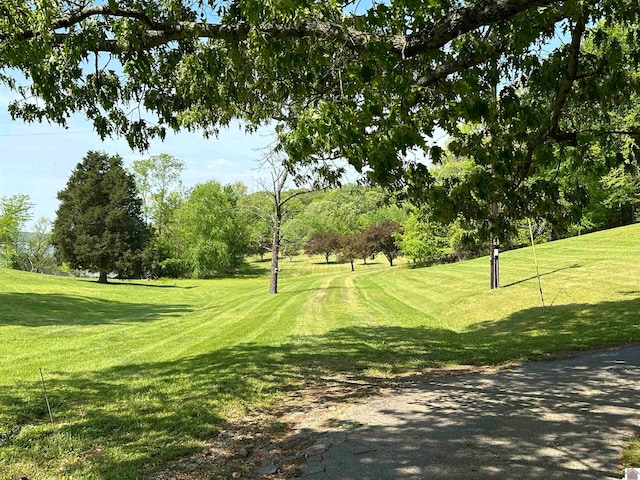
(279, 176)
(103, 277)
(275, 253)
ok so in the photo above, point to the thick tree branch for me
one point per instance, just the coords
(103, 10)
(159, 33)
(459, 21)
(432, 77)
(566, 84)
(466, 19)
(492, 50)
(598, 70)
(631, 132)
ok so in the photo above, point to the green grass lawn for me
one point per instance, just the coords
(140, 373)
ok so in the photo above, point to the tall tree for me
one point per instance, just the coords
(99, 225)
(280, 197)
(160, 185)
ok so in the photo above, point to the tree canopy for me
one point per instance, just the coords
(516, 84)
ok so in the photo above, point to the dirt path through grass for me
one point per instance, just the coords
(553, 420)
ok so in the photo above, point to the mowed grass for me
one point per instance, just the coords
(139, 373)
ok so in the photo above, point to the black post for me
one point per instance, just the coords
(495, 265)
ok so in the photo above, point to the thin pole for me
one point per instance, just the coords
(46, 397)
(535, 259)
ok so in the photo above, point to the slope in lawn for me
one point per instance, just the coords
(139, 373)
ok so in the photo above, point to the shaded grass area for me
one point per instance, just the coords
(37, 310)
(152, 412)
(138, 376)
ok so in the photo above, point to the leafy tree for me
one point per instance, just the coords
(36, 253)
(352, 247)
(423, 240)
(465, 241)
(207, 232)
(382, 237)
(623, 189)
(15, 212)
(323, 243)
(159, 183)
(99, 225)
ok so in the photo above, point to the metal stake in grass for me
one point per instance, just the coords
(535, 260)
(46, 397)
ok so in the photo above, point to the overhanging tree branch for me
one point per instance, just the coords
(466, 19)
(492, 49)
(434, 36)
(492, 52)
(566, 84)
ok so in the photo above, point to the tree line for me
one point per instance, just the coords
(143, 222)
(532, 93)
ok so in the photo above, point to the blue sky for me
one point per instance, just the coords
(37, 159)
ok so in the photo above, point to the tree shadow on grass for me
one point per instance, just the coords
(575, 265)
(40, 309)
(149, 284)
(246, 270)
(125, 422)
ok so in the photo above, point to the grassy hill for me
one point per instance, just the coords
(139, 373)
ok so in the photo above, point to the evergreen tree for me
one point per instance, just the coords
(99, 225)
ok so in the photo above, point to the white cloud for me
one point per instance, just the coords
(217, 164)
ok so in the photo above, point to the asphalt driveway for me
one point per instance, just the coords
(565, 419)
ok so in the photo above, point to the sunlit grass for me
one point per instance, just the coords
(139, 373)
